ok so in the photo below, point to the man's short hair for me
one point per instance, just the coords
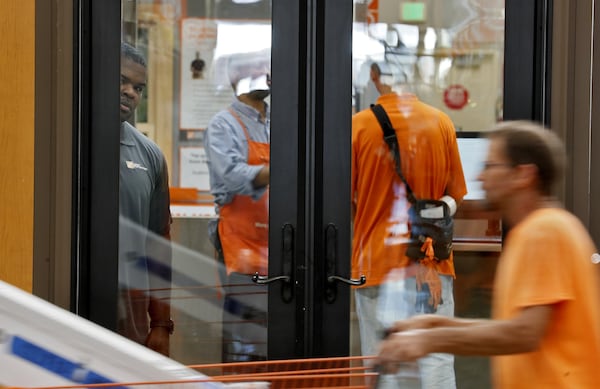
(389, 73)
(527, 142)
(130, 52)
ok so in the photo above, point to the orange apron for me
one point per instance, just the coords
(244, 222)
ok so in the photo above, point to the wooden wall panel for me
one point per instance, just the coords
(17, 55)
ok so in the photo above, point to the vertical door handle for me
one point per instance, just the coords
(331, 259)
(287, 265)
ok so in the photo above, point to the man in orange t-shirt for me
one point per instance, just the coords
(545, 331)
(432, 167)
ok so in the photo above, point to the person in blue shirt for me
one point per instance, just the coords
(237, 149)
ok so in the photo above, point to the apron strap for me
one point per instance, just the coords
(237, 117)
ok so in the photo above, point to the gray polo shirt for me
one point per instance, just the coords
(144, 182)
(143, 198)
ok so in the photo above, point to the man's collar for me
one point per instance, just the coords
(126, 135)
(250, 111)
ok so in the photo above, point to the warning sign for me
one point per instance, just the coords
(456, 96)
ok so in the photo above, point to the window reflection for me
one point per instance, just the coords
(188, 45)
(452, 58)
(443, 52)
(144, 207)
(450, 55)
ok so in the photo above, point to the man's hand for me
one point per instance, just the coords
(262, 178)
(520, 334)
(158, 340)
(402, 347)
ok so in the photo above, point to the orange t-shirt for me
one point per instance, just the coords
(431, 165)
(547, 260)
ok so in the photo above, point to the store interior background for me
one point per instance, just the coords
(438, 47)
(38, 99)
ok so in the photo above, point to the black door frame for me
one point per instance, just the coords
(96, 160)
(310, 141)
(310, 136)
(527, 74)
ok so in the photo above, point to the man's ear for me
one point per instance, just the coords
(527, 175)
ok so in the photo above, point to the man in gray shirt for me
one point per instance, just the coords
(145, 218)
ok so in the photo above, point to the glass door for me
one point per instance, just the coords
(431, 66)
(470, 63)
(207, 105)
(186, 117)
(287, 291)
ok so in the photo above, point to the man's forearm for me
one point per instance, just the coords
(262, 178)
(479, 338)
(431, 321)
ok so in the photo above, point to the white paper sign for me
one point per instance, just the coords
(193, 168)
(473, 152)
(200, 96)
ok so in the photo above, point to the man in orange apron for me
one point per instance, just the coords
(237, 148)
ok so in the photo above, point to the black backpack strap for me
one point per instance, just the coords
(389, 135)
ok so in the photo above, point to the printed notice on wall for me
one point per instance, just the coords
(193, 172)
(201, 95)
(206, 48)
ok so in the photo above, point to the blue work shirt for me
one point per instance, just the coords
(226, 149)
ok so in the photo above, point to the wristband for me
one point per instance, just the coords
(168, 324)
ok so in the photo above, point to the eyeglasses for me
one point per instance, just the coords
(489, 165)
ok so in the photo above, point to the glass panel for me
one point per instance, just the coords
(176, 92)
(445, 61)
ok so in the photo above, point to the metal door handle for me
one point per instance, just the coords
(287, 264)
(263, 280)
(352, 281)
(331, 259)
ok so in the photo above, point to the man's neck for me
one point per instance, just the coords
(523, 204)
(383, 89)
(259, 105)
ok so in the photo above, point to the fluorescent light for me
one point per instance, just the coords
(245, 1)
